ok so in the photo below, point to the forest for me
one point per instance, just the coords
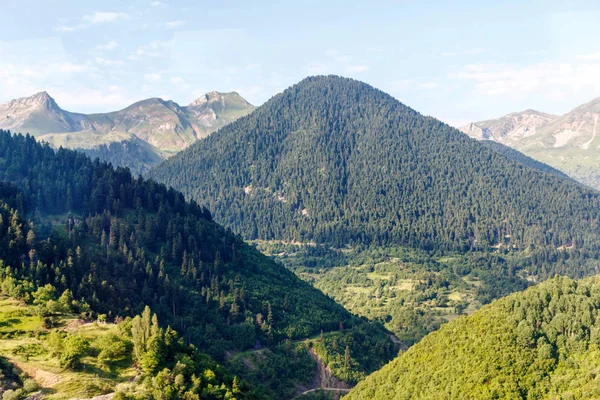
(119, 243)
(542, 343)
(335, 161)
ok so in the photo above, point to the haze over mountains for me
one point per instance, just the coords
(138, 136)
(570, 143)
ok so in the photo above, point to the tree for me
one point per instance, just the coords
(74, 348)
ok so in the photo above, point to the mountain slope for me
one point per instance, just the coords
(539, 344)
(569, 143)
(164, 125)
(334, 160)
(515, 155)
(120, 243)
(37, 114)
(510, 128)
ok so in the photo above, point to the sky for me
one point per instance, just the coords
(458, 61)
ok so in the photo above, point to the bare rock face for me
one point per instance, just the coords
(569, 143)
(510, 128)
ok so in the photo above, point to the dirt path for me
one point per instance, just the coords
(325, 389)
(323, 379)
(44, 378)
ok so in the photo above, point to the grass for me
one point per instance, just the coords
(374, 275)
(23, 344)
(404, 284)
(357, 289)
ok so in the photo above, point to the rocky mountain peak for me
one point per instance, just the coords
(218, 97)
(37, 100)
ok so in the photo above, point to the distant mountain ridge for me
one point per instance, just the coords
(510, 128)
(570, 143)
(164, 125)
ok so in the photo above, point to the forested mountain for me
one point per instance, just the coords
(513, 154)
(118, 243)
(333, 160)
(137, 137)
(543, 343)
(569, 143)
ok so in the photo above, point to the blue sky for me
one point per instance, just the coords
(456, 60)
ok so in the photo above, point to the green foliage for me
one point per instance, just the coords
(410, 291)
(30, 385)
(173, 370)
(112, 348)
(133, 153)
(12, 394)
(353, 354)
(281, 370)
(74, 347)
(335, 161)
(111, 245)
(9, 379)
(538, 344)
(140, 244)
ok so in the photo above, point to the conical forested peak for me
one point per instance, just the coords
(334, 89)
(334, 160)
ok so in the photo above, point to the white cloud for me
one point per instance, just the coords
(155, 49)
(317, 68)
(467, 52)
(174, 24)
(91, 19)
(356, 68)
(108, 62)
(102, 17)
(550, 79)
(96, 100)
(66, 28)
(156, 3)
(590, 56)
(108, 46)
(152, 77)
(428, 85)
(179, 83)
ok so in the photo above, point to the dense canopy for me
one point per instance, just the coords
(543, 343)
(334, 160)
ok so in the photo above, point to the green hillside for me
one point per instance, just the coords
(46, 350)
(539, 344)
(120, 244)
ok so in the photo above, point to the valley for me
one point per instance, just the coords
(296, 269)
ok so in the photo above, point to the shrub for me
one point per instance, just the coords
(30, 385)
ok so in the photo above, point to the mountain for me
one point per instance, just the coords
(37, 114)
(333, 160)
(510, 128)
(164, 126)
(539, 344)
(120, 243)
(515, 155)
(568, 143)
(84, 360)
